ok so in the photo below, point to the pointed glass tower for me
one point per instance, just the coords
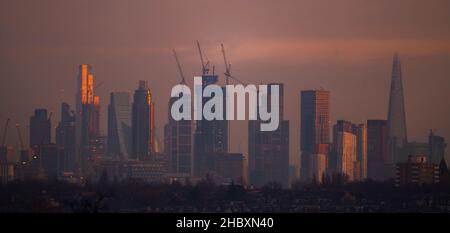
(396, 113)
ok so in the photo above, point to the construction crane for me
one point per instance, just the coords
(23, 152)
(5, 130)
(227, 72)
(22, 147)
(205, 66)
(183, 80)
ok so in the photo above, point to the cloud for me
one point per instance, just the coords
(301, 51)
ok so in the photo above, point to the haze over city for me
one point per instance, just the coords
(345, 47)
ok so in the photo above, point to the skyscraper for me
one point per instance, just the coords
(344, 142)
(319, 162)
(87, 111)
(119, 125)
(397, 136)
(437, 147)
(178, 144)
(268, 151)
(40, 128)
(377, 150)
(314, 125)
(142, 124)
(210, 137)
(360, 131)
(66, 138)
(84, 99)
(350, 145)
(94, 122)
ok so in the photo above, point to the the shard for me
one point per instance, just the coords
(396, 113)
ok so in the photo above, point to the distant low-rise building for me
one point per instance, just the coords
(417, 170)
(153, 170)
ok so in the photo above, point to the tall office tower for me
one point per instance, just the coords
(142, 123)
(119, 125)
(94, 128)
(87, 111)
(268, 151)
(40, 128)
(66, 138)
(360, 131)
(344, 141)
(210, 136)
(51, 161)
(350, 149)
(437, 147)
(396, 114)
(178, 144)
(319, 162)
(84, 98)
(314, 124)
(377, 150)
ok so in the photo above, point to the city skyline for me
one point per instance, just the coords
(345, 68)
(225, 115)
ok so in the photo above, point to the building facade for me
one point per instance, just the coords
(210, 137)
(349, 149)
(178, 144)
(268, 151)
(397, 134)
(40, 128)
(119, 125)
(87, 114)
(66, 138)
(314, 125)
(437, 147)
(378, 167)
(417, 170)
(142, 124)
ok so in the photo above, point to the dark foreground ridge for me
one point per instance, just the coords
(207, 197)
